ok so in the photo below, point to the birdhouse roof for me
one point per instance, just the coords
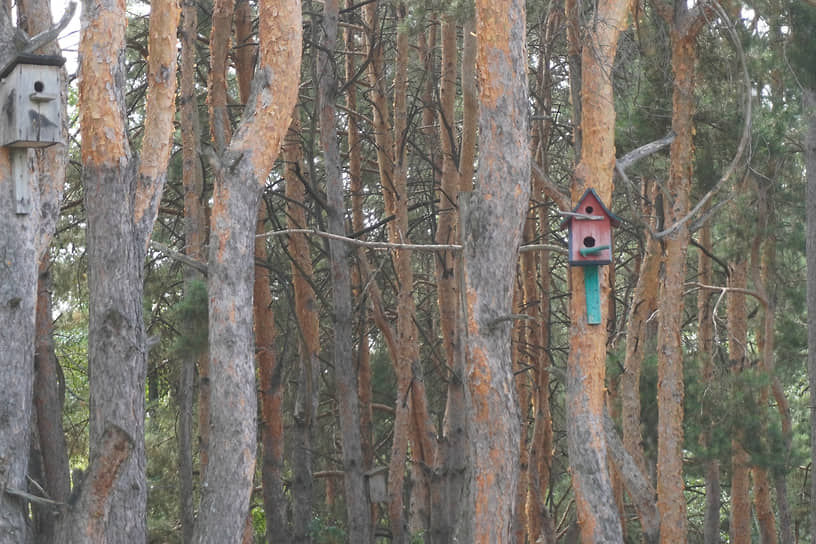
(27, 58)
(614, 219)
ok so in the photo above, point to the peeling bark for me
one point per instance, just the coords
(586, 365)
(241, 174)
(121, 200)
(492, 227)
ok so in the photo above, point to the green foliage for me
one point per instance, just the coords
(326, 531)
(191, 313)
(800, 50)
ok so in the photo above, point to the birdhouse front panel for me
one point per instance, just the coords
(30, 105)
(590, 231)
(590, 242)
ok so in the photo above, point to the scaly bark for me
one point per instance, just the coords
(810, 158)
(740, 528)
(585, 397)
(685, 24)
(358, 513)
(306, 310)
(491, 234)
(241, 174)
(24, 242)
(638, 344)
(121, 200)
(705, 348)
(195, 236)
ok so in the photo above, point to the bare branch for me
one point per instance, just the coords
(644, 151)
(43, 38)
(385, 245)
(180, 257)
(750, 292)
(550, 189)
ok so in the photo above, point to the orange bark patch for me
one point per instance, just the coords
(102, 127)
(161, 94)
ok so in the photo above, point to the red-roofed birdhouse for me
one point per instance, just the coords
(590, 231)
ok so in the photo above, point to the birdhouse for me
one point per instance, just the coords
(590, 231)
(30, 112)
(377, 484)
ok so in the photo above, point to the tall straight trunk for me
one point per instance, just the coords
(492, 227)
(355, 167)
(449, 461)
(705, 348)
(740, 527)
(24, 241)
(269, 385)
(685, 23)
(221, 30)
(121, 201)
(540, 526)
(306, 311)
(34, 16)
(358, 513)
(49, 397)
(195, 236)
(810, 199)
(519, 338)
(241, 174)
(412, 420)
(586, 365)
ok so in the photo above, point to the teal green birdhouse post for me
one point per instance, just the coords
(590, 245)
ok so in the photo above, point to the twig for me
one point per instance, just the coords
(363, 243)
(32, 498)
(644, 151)
(182, 258)
(48, 36)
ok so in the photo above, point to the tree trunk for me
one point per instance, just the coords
(309, 346)
(363, 358)
(492, 227)
(195, 235)
(740, 460)
(638, 344)
(586, 365)
(706, 349)
(49, 396)
(18, 300)
(241, 173)
(23, 243)
(810, 158)
(447, 487)
(121, 201)
(358, 512)
(270, 375)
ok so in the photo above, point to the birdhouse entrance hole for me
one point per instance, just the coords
(589, 241)
(39, 86)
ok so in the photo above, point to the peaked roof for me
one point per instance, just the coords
(614, 219)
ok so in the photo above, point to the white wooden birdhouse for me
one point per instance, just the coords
(30, 112)
(590, 231)
(377, 479)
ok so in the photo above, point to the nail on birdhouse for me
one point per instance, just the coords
(590, 245)
(29, 101)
